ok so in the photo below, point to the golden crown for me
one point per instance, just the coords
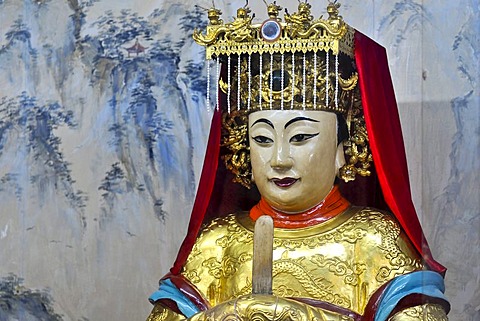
(301, 63)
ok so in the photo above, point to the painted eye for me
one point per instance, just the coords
(262, 139)
(301, 137)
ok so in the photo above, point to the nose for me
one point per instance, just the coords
(281, 157)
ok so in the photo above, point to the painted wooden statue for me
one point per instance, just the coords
(301, 105)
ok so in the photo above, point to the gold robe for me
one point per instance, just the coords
(342, 262)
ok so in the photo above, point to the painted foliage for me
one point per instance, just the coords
(102, 118)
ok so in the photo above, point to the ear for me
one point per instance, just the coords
(339, 158)
(252, 178)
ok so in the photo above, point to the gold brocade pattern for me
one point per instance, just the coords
(160, 313)
(342, 268)
(342, 261)
(426, 312)
(316, 287)
(235, 234)
(267, 308)
(227, 267)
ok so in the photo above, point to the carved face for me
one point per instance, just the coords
(293, 155)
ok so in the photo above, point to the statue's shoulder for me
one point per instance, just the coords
(383, 227)
(223, 243)
(386, 243)
(228, 223)
(375, 221)
(220, 234)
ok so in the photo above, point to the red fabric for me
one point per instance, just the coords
(386, 142)
(408, 301)
(204, 192)
(331, 206)
(189, 290)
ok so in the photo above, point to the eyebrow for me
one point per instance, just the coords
(291, 121)
(263, 120)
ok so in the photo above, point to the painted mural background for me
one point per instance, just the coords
(101, 148)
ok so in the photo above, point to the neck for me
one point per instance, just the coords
(332, 205)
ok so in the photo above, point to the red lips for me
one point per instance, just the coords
(285, 182)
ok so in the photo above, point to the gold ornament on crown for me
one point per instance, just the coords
(299, 33)
(299, 63)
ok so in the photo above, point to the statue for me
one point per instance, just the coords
(296, 115)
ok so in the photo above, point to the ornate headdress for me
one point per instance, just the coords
(300, 63)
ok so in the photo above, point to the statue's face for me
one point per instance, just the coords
(293, 155)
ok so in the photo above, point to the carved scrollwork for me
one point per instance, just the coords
(235, 139)
(266, 308)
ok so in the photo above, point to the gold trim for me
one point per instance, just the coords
(427, 312)
(300, 33)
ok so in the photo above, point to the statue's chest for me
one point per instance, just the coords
(310, 267)
(340, 262)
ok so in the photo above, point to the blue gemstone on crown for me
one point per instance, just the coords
(271, 30)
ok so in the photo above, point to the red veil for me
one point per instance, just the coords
(218, 194)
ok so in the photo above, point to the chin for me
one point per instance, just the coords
(290, 201)
(289, 205)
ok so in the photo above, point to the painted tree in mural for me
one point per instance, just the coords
(80, 109)
(19, 32)
(138, 82)
(32, 126)
(20, 303)
(133, 105)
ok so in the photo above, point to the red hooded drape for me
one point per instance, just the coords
(216, 192)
